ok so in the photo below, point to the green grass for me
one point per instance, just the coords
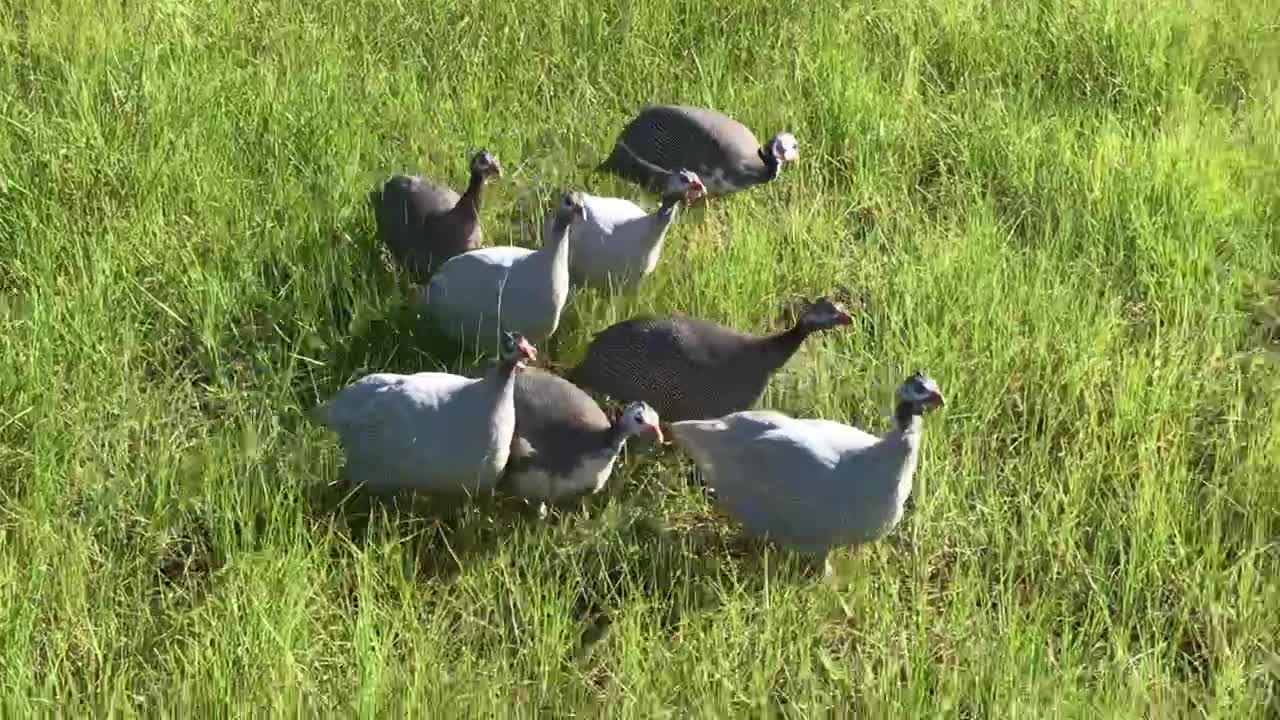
(1068, 213)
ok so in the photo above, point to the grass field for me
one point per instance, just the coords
(1068, 213)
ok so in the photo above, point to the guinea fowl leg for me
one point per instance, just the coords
(818, 565)
(696, 479)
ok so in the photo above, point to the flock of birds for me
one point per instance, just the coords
(809, 485)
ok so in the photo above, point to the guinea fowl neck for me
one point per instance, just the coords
(470, 201)
(556, 242)
(505, 371)
(615, 437)
(909, 418)
(670, 206)
(780, 346)
(772, 165)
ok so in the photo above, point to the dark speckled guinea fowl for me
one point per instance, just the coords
(564, 446)
(724, 153)
(691, 369)
(424, 224)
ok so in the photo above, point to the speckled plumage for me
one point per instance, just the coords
(564, 445)
(688, 368)
(722, 151)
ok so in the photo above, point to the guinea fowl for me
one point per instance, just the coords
(687, 368)
(482, 292)
(721, 150)
(430, 430)
(424, 224)
(619, 242)
(811, 485)
(564, 445)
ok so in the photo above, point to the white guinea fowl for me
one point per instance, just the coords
(481, 293)
(811, 485)
(431, 430)
(618, 243)
(564, 445)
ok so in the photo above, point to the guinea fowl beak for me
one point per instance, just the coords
(657, 431)
(697, 191)
(936, 399)
(844, 318)
(495, 169)
(530, 353)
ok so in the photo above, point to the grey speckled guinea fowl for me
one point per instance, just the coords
(423, 224)
(722, 151)
(564, 445)
(811, 484)
(689, 369)
(430, 431)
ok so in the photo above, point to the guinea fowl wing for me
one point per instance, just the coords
(435, 199)
(846, 437)
(672, 136)
(378, 418)
(416, 198)
(466, 290)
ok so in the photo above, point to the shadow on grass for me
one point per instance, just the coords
(443, 533)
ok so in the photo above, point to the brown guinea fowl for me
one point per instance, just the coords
(424, 224)
(691, 369)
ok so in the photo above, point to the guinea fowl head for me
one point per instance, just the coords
(486, 165)
(824, 314)
(573, 207)
(921, 392)
(685, 185)
(639, 418)
(781, 148)
(516, 350)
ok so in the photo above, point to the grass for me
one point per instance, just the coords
(1068, 213)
